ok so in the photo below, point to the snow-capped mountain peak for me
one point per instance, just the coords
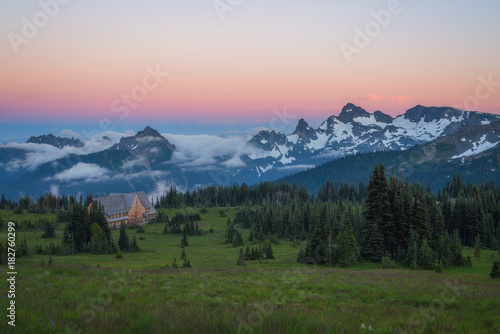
(355, 130)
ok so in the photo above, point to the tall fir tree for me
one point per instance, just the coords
(241, 258)
(378, 217)
(316, 249)
(477, 247)
(495, 269)
(184, 240)
(123, 242)
(347, 249)
(420, 221)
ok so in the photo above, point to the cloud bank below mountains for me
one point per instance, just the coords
(202, 151)
(193, 152)
(39, 154)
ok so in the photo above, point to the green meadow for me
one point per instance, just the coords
(142, 293)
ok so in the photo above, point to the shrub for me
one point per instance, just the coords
(387, 263)
(439, 267)
(141, 230)
(119, 254)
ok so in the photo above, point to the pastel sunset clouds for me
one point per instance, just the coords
(263, 55)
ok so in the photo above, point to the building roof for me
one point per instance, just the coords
(122, 203)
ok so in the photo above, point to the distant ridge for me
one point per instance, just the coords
(58, 142)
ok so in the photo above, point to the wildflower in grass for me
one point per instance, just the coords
(363, 327)
(369, 328)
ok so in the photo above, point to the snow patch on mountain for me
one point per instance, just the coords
(367, 121)
(478, 147)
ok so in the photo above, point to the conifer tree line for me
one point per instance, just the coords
(263, 194)
(343, 223)
(42, 204)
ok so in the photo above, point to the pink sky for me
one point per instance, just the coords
(260, 57)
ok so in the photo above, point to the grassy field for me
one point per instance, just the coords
(102, 294)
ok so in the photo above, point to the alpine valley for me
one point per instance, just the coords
(425, 143)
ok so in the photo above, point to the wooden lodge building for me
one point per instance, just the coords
(131, 208)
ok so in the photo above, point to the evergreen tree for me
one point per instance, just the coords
(237, 239)
(22, 249)
(456, 257)
(301, 257)
(495, 270)
(68, 244)
(97, 215)
(405, 226)
(248, 254)
(425, 259)
(269, 252)
(98, 244)
(259, 255)
(477, 247)
(441, 249)
(420, 219)
(79, 226)
(378, 217)
(123, 242)
(374, 244)
(134, 247)
(316, 249)
(437, 222)
(241, 258)
(184, 240)
(347, 249)
(411, 256)
(229, 232)
(49, 230)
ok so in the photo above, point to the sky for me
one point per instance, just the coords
(228, 67)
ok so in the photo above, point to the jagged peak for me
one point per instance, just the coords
(302, 126)
(381, 117)
(148, 132)
(142, 139)
(351, 111)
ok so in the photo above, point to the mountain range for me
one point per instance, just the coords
(437, 140)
